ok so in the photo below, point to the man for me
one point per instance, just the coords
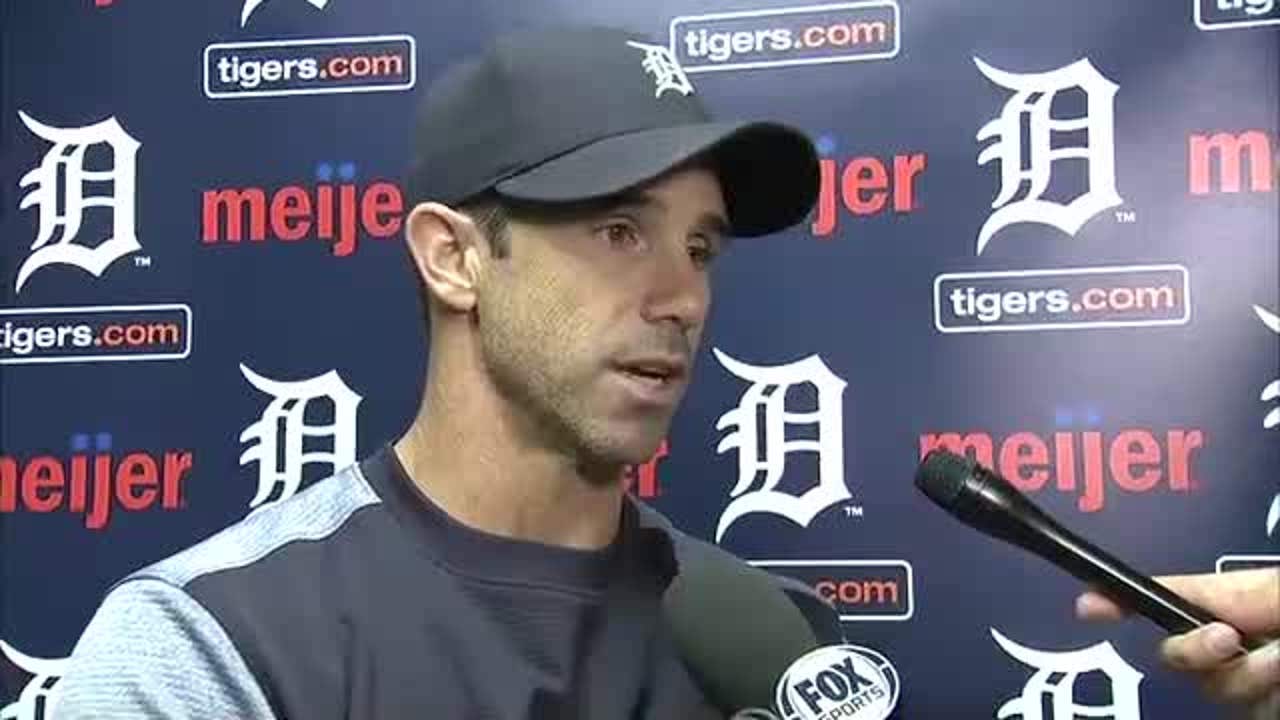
(568, 195)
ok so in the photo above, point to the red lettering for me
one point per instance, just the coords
(79, 482)
(643, 479)
(347, 218)
(99, 513)
(176, 467)
(223, 215)
(1135, 460)
(824, 221)
(1093, 496)
(294, 213)
(42, 483)
(93, 484)
(8, 484)
(905, 170)
(291, 213)
(1125, 457)
(136, 482)
(1231, 151)
(380, 199)
(864, 174)
(1064, 450)
(649, 473)
(864, 186)
(324, 216)
(1181, 444)
(977, 445)
(1024, 450)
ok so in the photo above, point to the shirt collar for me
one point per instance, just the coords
(646, 537)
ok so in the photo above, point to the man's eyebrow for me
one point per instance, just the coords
(711, 221)
(636, 199)
(716, 223)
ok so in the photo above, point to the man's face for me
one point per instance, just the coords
(589, 327)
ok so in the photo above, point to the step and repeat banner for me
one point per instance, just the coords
(1047, 237)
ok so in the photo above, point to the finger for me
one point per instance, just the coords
(1266, 709)
(1247, 680)
(1248, 599)
(1203, 649)
(1092, 605)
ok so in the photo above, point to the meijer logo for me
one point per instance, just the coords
(864, 186)
(839, 681)
(1224, 162)
(1087, 462)
(335, 209)
(94, 483)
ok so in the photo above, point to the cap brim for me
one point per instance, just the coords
(768, 171)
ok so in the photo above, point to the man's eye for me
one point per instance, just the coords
(621, 234)
(703, 252)
(702, 256)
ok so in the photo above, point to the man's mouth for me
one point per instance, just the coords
(655, 371)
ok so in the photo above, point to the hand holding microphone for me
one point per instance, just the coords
(984, 500)
(745, 639)
(1250, 601)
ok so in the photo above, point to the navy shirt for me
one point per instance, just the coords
(359, 598)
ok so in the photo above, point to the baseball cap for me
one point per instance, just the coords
(582, 113)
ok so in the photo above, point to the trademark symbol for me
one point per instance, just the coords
(853, 511)
(1126, 216)
(142, 261)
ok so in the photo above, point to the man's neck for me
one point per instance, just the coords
(466, 457)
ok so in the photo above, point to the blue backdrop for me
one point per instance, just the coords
(1048, 235)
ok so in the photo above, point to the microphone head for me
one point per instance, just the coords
(735, 627)
(942, 476)
(982, 499)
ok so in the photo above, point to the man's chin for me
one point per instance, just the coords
(641, 442)
(628, 448)
(642, 452)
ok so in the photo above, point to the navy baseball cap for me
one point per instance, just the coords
(583, 113)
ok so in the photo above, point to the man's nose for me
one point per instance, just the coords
(678, 288)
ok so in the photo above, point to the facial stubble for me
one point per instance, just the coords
(543, 354)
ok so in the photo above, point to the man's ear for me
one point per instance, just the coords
(446, 250)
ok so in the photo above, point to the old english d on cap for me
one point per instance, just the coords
(582, 113)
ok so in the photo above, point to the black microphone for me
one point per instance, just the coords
(983, 500)
(735, 627)
(739, 628)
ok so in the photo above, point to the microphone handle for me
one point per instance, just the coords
(1036, 531)
(1131, 588)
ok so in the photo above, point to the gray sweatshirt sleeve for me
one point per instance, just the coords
(151, 651)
